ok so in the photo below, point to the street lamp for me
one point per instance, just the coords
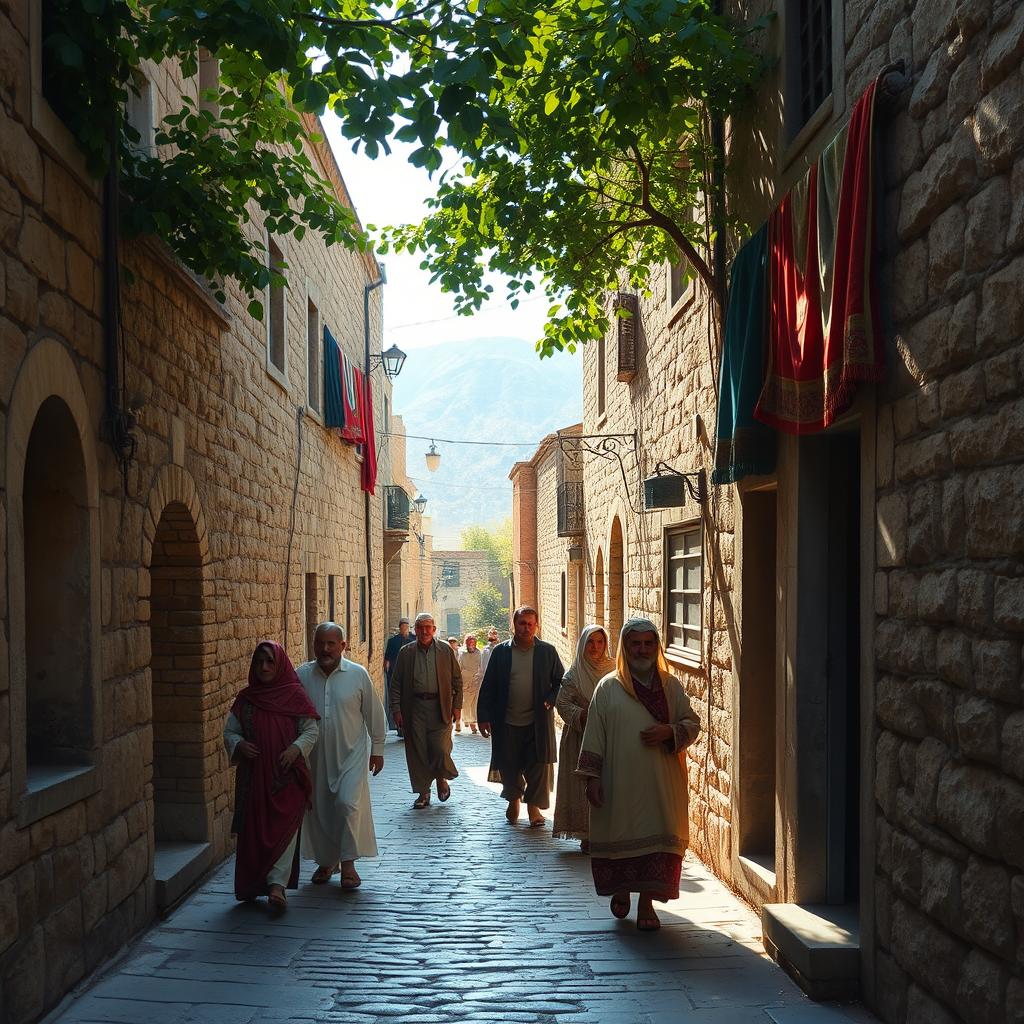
(392, 360)
(433, 457)
(419, 503)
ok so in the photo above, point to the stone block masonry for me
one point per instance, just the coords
(239, 515)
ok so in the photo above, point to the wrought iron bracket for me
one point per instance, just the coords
(604, 446)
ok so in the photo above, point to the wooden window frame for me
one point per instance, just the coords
(689, 656)
(273, 296)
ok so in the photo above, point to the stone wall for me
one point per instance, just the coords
(949, 587)
(196, 553)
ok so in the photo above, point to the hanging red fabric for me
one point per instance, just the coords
(351, 400)
(368, 480)
(824, 327)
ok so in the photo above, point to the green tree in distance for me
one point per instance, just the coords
(497, 541)
(575, 130)
(485, 608)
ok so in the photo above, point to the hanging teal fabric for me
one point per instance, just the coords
(744, 446)
(334, 407)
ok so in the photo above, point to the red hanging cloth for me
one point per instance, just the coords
(824, 328)
(369, 473)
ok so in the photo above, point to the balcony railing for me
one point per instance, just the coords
(396, 508)
(570, 508)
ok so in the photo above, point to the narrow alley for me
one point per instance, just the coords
(462, 918)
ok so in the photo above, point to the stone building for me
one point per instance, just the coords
(547, 532)
(133, 591)
(409, 545)
(849, 626)
(455, 575)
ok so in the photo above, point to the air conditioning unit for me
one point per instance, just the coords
(628, 328)
(667, 491)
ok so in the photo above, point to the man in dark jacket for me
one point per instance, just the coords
(515, 709)
(394, 645)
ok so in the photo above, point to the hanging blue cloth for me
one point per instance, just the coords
(743, 445)
(334, 406)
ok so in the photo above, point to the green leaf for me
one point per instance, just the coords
(255, 308)
(551, 102)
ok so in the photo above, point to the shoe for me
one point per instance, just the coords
(473, 729)
(350, 880)
(323, 873)
(535, 816)
(443, 794)
(512, 813)
(620, 905)
(277, 899)
(423, 800)
(458, 727)
(647, 921)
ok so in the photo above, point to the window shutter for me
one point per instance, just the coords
(627, 335)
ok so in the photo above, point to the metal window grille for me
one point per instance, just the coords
(570, 508)
(815, 40)
(396, 508)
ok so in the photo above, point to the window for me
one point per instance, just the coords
(140, 113)
(312, 612)
(275, 312)
(680, 274)
(684, 579)
(565, 616)
(600, 377)
(332, 583)
(362, 609)
(808, 60)
(314, 372)
(209, 82)
(454, 623)
(450, 574)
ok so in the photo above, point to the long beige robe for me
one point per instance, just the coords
(471, 666)
(645, 790)
(352, 727)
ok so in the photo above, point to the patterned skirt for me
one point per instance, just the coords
(656, 873)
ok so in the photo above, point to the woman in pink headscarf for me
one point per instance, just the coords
(270, 732)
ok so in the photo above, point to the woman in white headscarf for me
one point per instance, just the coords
(639, 724)
(592, 663)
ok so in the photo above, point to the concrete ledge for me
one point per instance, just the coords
(176, 868)
(52, 788)
(818, 946)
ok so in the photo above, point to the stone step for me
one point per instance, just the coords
(818, 946)
(177, 866)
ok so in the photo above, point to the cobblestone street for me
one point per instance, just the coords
(463, 918)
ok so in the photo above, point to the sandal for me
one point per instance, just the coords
(443, 794)
(512, 811)
(276, 898)
(536, 818)
(647, 922)
(421, 801)
(350, 881)
(323, 873)
(620, 905)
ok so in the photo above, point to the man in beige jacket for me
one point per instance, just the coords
(426, 698)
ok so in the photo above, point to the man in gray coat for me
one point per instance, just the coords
(515, 709)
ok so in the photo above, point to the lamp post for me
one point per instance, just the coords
(419, 503)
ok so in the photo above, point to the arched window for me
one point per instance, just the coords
(616, 582)
(599, 589)
(57, 589)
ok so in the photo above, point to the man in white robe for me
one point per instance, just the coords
(338, 829)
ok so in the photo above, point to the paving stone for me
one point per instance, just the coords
(460, 918)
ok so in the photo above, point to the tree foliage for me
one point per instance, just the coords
(496, 540)
(485, 608)
(565, 117)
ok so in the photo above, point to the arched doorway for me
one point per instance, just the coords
(616, 583)
(58, 562)
(599, 588)
(181, 823)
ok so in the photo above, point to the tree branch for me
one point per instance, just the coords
(673, 230)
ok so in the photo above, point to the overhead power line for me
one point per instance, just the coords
(450, 440)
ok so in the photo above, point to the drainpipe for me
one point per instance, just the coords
(119, 421)
(718, 191)
(367, 289)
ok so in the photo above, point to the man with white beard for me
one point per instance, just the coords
(638, 726)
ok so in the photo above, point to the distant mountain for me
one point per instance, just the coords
(490, 389)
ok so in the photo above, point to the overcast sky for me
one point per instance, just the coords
(389, 190)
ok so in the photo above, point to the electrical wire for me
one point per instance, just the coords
(450, 440)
